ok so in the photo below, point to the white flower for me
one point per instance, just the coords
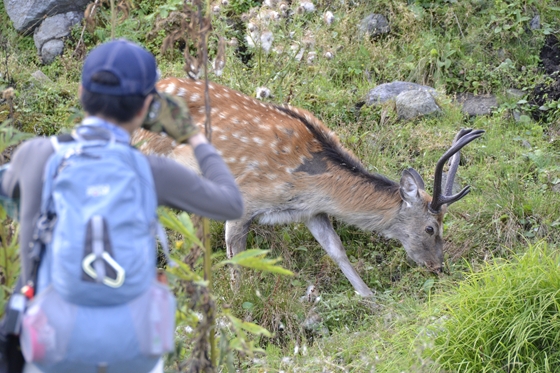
(328, 55)
(328, 17)
(298, 50)
(251, 26)
(307, 6)
(218, 66)
(266, 40)
(252, 38)
(270, 3)
(311, 57)
(263, 92)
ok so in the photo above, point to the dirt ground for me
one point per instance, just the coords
(550, 57)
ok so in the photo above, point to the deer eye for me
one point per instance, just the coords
(430, 230)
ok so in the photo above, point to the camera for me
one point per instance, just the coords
(153, 112)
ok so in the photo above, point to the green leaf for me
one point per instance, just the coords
(2, 213)
(254, 259)
(428, 285)
(180, 223)
(184, 272)
(247, 305)
(248, 326)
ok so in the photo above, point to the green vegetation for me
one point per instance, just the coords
(495, 308)
(503, 318)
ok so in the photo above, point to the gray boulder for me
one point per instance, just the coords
(475, 105)
(412, 104)
(27, 14)
(56, 27)
(374, 24)
(389, 91)
(51, 49)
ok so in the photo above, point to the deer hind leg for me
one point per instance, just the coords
(236, 242)
(323, 231)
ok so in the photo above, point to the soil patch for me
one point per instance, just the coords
(543, 93)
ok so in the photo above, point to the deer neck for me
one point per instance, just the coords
(367, 201)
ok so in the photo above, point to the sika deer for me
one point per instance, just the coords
(291, 168)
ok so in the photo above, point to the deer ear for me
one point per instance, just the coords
(411, 183)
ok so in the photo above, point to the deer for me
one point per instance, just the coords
(290, 167)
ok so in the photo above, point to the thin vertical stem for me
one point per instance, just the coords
(203, 28)
(113, 19)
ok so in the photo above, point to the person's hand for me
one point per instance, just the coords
(170, 115)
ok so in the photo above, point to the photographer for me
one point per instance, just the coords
(117, 91)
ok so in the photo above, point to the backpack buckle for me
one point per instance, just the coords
(87, 266)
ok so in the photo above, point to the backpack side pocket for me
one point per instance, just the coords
(153, 316)
(47, 328)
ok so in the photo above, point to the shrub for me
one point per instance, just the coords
(503, 318)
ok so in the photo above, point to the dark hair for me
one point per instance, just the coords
(120, 108)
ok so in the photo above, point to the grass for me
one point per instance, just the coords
(502, 318)
(509, 223)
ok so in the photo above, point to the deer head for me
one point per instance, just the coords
(419, 222)
(291, 168)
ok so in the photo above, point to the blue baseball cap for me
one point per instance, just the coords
(133, 65)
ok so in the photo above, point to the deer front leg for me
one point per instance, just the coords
(236, 242)
(323, 231)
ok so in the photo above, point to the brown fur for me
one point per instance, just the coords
(290, 167)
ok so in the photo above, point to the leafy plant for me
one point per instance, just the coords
(503, 318)
(9, 248)
(199, 318)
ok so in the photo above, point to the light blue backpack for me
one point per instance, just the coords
(99, 307)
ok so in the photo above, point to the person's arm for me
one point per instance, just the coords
(214, 194)
(24, 180)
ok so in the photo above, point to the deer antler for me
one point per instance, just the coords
(463, 137)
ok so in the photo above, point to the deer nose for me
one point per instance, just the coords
(435, 268)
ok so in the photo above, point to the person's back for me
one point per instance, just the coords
(117, 89)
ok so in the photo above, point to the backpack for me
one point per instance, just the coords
(99, 307)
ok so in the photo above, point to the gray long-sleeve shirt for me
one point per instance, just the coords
(214, 195)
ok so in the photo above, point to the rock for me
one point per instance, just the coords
(374, 24)
(535, 23)
(27, 14)
(411, 104)
(475, 105)
(55, 27)
(41, 77)
(51, 49)
(388, 91)
(515, 93)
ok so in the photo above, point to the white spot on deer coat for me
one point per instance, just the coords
(170, 88)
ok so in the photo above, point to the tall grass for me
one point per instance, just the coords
(503, 318)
